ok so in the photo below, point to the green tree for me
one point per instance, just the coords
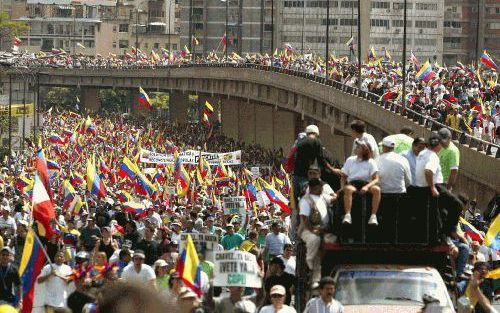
(9, 29)
(61, 97)
(114, 100)
(160, 100)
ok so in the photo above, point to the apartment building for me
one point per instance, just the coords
(97, 26)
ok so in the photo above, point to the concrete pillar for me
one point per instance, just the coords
(283, 129)
(178, 106)
(246, 125)
(90, 99)
(229, 118)
(264, 130)
(365, 27)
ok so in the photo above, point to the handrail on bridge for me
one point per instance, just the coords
(425, 121)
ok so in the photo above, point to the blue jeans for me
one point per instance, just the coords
(463, 256)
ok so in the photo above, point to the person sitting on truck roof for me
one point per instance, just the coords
(362, 174)
(313, 210)
(315, 172)
(394, 169)
(358, 129)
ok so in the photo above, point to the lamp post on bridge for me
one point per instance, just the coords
(404, 54)
(327, 37)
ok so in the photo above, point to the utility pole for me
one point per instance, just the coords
(169, 5)
(190, 39)
(226, 31)
(404, 53)
(24, 114)
(359, 45)
(10, 117)
(272, 29)
(136, 32)
(327, 37)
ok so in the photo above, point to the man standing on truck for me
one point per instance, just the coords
(313, 221)
(325, 303)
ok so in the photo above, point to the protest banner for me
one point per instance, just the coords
(191, 157)
(205, 244)
(235, 205)
(236, 269)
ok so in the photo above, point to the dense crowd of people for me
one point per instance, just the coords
(464, 97)
(103, 245)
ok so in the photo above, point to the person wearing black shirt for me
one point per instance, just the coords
(78, 298)
(9, 278)
(278, 276)
(150, 247)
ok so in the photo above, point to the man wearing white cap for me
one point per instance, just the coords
(277, 305)
(138, 272)
(394, 169)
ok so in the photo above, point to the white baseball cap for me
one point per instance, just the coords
(388, 142)
(312, 129)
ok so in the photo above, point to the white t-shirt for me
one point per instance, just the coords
(56, 289)
(321, 205)
(271, 309)
(357, 169)
(8, 223)
(428, 160)
(290, 264)
(478, 131)
(145, 275)
(394, 171)
(371, 141)
(488, 128)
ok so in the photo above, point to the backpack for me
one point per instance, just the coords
(315, 215)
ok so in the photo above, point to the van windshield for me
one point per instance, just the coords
(387, 288)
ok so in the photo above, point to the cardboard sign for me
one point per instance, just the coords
(255, 172)
(236, 269)
(234, 205)
(202, 242)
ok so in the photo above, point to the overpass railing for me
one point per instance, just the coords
(489, 148)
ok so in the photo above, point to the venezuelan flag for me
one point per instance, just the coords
(188, 267)
(275, 197)
(128, 169)
(185, 52)
(52, 165)
(492, 238)
(43, 170)
(144, 99)
(470, 230)
(371, 54)
(56, 140)
(75, 178)
(144, 185)
(387, 96)
(31, 265)
(135, 208)
(94, 183)
(251, 192)
(425, 73)
(488, 61)
(124, 196)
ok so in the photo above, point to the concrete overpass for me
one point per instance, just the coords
(270, 106)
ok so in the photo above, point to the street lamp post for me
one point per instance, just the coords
(10, 116)
(404, 54)
(24, 114)
(272, 29)
(168, 42)
(136, 32)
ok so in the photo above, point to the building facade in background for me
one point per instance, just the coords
(97, 26)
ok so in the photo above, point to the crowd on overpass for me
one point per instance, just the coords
(463, 97)
(108, 214)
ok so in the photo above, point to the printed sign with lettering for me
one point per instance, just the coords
(234, 205)
(236, 269)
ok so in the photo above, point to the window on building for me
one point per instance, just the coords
(198, 11)
(35, 42)
(146, 45)
(114, 28)
(294, 4)
(426, 6)
(47, 44)
(452, 24)
(174, 46)
(497, 10)
(349, 4)
(157, 45)
(380, 5)
(321, 4)
(50, 29)
(380, 40)
(123, 28)
(114, 44)
(268, 27)
(348, 22)
(401, 6)
(123, 44)
(333, 21)
(379, 23)
(451, 40)
(493, 26)
(399, 41)
(89, 44)
(292, 38)
(425, 41)
(425, 24)
(198, 26)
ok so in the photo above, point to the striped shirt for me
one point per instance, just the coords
(316, 305)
